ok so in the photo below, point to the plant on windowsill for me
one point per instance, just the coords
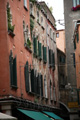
(38, 21)
(33, 1)
(10, 26)
(28, 45)
(76, 8)
(31, 25)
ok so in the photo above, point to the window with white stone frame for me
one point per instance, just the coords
(76, 2)
(45, 87)
(25, 4)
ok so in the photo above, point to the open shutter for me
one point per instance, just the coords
(49, 57)
(32, 80)
(11, 70)
(53, 60)
(38, 85)
(27, 77)
(77, 37)
(41, 85)
(74, 45)
(36, 45)
(14, 72)
(35, 83)
(74, 59)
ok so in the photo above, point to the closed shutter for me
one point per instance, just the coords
(27, 77)
(44, 54)
(25, 3)
(41, 85)
(32, 80)
(35, 46)
(39, 50)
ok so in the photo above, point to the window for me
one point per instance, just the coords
(39, 50)
(25, 4)
(74, 60)
(57, 35)
(50, 33)
(47, 29)
(76, 2)
(50, 90)
(53, 36)
(13, 71)
(25, 32)
(9, 20)
(45, 87)
(44, 54)
(42, 21)
(32, 10)
(35, 46)
(38, 16)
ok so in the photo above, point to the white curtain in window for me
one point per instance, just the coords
(74, 3)
(25, 3)
(45, 87)
(78, 2)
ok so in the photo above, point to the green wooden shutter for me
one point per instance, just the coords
(41, 85)
(32, 80)
(14, 72)
(77, 37)
(74, 59)
(50, 58)
(74, 45)
(44, 54)
(35, 83)
(39, 50)
(11, 70)
(38, 85)
(27, 77)
(53, 61)
(36, 46)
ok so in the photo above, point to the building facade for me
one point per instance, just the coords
(28, 77)
(71, 15)
(60, 40)
(70, 20)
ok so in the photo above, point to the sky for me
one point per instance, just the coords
(58, 11)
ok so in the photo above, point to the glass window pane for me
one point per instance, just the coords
(74, 3)
(77, 2)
